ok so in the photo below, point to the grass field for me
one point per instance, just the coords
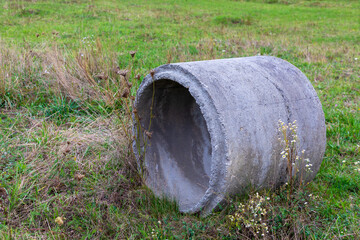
(66, 68)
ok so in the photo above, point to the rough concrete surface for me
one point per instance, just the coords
(215, 131)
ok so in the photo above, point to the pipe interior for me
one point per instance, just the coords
(178, 154)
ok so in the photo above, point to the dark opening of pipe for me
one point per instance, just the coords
(178, 154)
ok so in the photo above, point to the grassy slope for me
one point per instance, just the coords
(41, 152)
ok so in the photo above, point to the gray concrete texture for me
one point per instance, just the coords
(214, 128)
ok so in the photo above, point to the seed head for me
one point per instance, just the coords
(132, 53)
(102, 76)
(148, 134)
(59, 220)
(79, 176)
(122, 72)
(125, 93)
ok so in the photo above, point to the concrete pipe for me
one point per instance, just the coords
(209, 129)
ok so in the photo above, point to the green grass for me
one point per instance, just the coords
(62, 113)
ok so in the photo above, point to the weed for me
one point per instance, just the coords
(294, 158)
(252, 216)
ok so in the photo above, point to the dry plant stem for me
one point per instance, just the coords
(123, 124)
(152, 105)
(90, 79)
(149, 128)
(129, 138)
(297, 164)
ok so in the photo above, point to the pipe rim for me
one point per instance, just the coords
(216, 187)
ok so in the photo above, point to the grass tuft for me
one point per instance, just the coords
(245, 20)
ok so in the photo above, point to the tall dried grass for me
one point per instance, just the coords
(66, 158)
(86, 75)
